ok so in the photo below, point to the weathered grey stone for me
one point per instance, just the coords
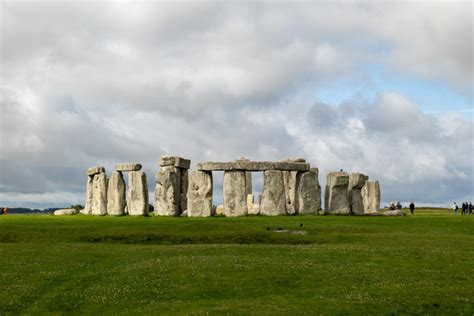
(394, 213)
(184, 214)
(252, 208)
(248, 182)
(116, 194)
(174, 161)
(234, 193)
(128, 167)
(199, 194)
(371, 196)
(289, 180)
(336, 201)
(137, 195)
(273, 196)
(356, 182)
(183, 184)
(65, 211)
(308, 192)
(99, 194)
(167, 193)
(95, 170)
(294, 159)
(253, 166)
(89, 188)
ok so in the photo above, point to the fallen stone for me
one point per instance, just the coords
(394, 213)
(309, 192)
(253, 166)
(336, 200)
(371, 196)
(184, 214)
(116, 195)
(289, 180)
(199, 194)
(137, 195)
(219, 210)
(65, 211)
(167, 193)
(273, 195)
(128, 167)
(252, 208)
(234, 193)
(89, 188)
(95, 170)
(174, 161)
(99, 194)
(356, 182)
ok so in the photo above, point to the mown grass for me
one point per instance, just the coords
(422, 264)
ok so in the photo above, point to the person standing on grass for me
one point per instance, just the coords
(455, 208)
(464, 206)
(412, 207)
(470, 208)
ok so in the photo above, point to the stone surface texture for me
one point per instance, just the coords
(289, 180)
(183, 184)
(354, 191)
(174, 161)
(252, 208)
(167, 193)
(95, 170)
(99, 194)
(128, 167)
(253, 166)
(219, 210)
(308, 192)
(234, 193)
(199, 194)
(371, 196)
(336, 200)
(65, 211)
(116, 194)
(88, 204)
(273, 196)
(137, 195)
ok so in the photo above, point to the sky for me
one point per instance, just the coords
(382, 88)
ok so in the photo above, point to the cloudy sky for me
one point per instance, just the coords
(380, 88)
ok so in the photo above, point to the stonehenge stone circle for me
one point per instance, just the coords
(199, 194)
(116, 201)
(273, 195)
(290, 186)
(356, 182)
(336, 200)
(371, 196)
(99, 194)
(137, 195)
(234, 193)
(128, 167)
(309, 192)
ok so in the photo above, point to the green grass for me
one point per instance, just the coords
(422, 264)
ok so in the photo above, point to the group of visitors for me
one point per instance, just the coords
(3, 211)
(466, 208)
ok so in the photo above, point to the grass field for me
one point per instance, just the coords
(422, 264)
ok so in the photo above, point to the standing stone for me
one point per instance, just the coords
(356, 182)
(273, 196)
(183, 197)
(137, 196)
(289, 179)
(234, 193)
(116, 194)
(167, 192)
(336, 201)
(248, 182)
(99, 194)
(89, 188)
(199, 194)
(371, 196)
(309, 192)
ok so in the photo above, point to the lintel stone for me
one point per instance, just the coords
(128, 167)
(253, 166)
(175, 161)
(95, 170)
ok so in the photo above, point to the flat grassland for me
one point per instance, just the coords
(341, 265)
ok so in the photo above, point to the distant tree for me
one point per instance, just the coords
(77, 207)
